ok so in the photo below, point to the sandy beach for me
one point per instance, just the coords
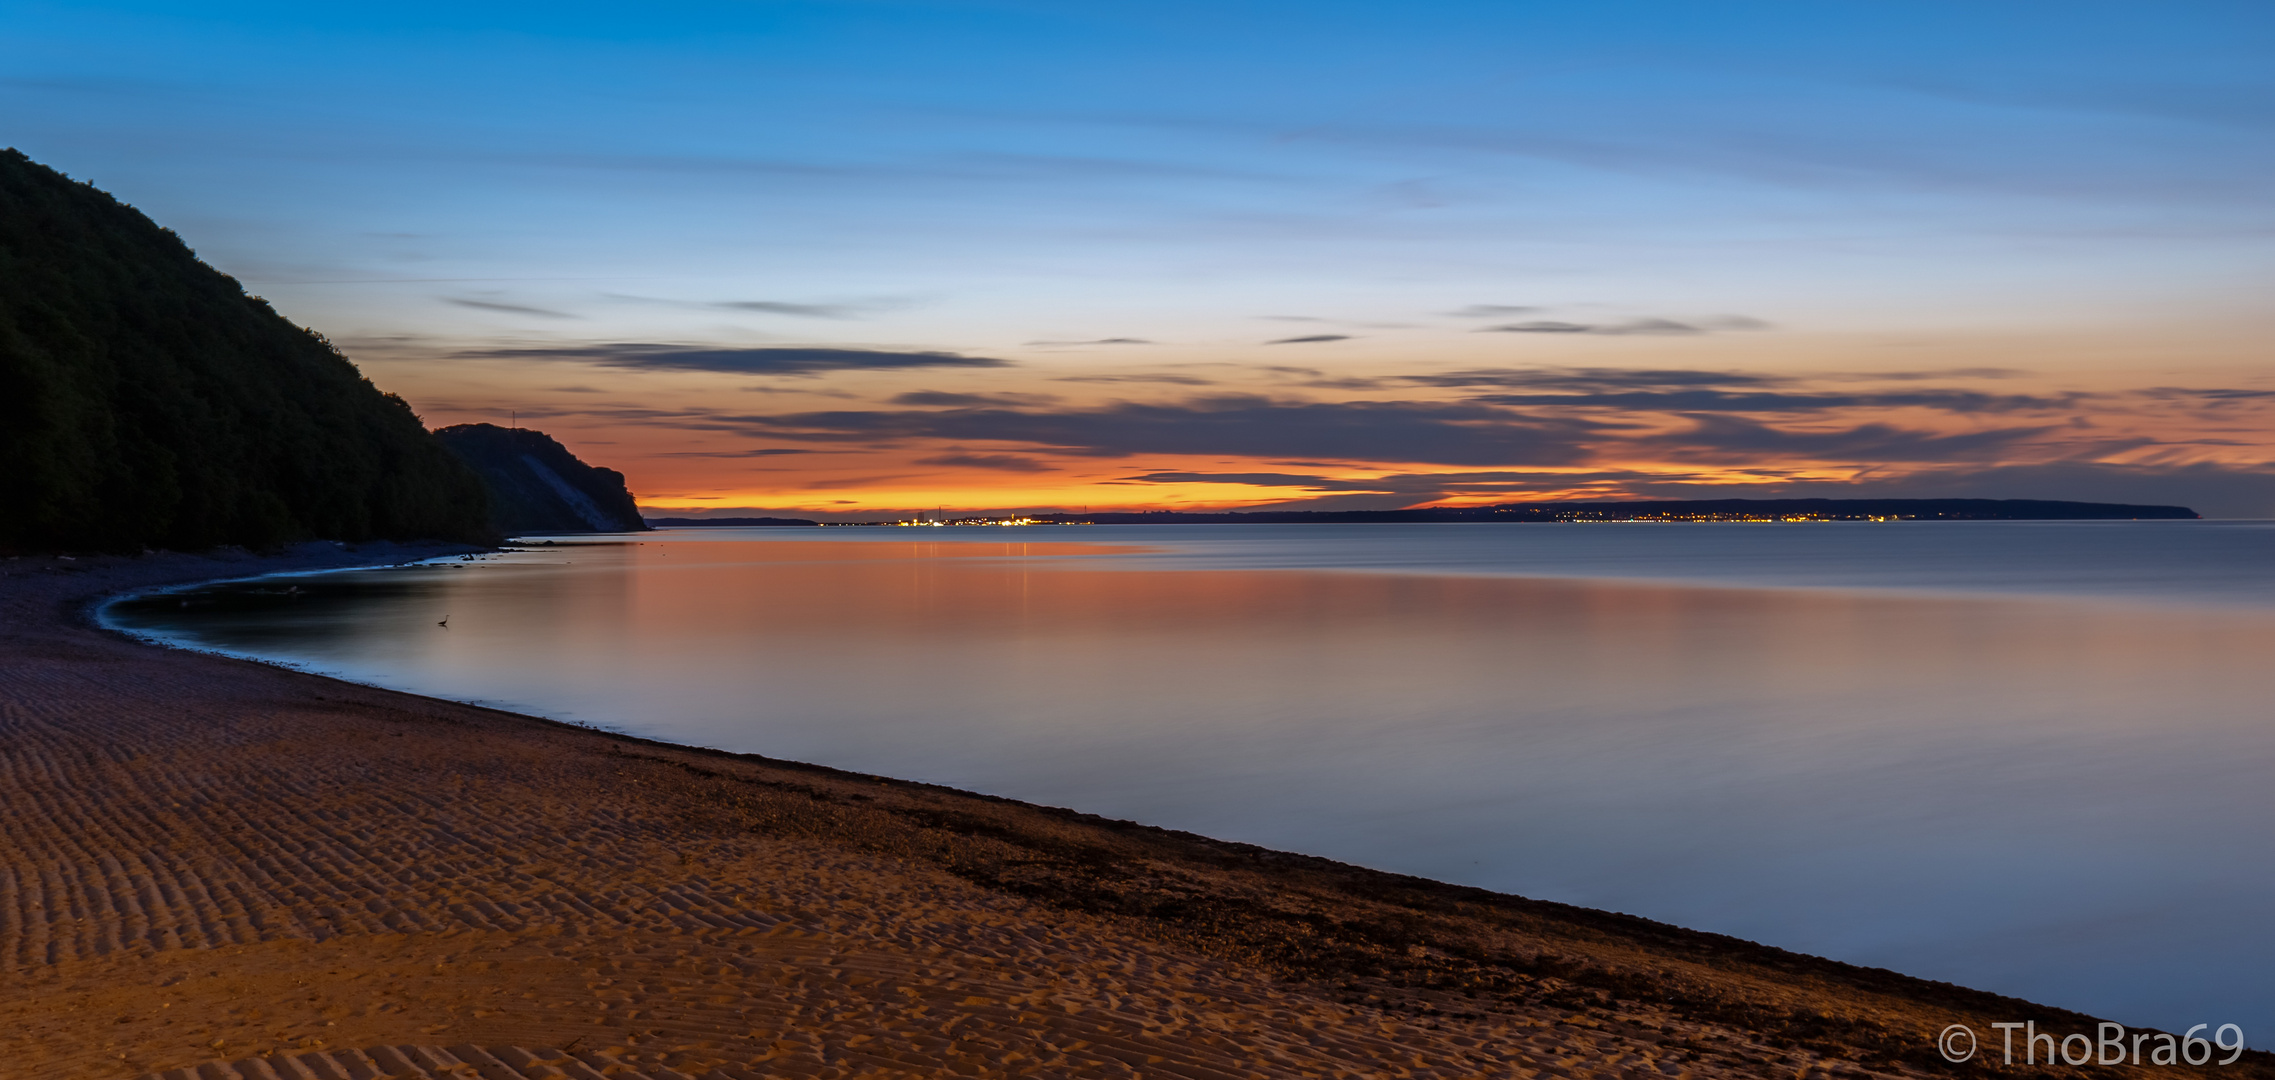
(219, 869)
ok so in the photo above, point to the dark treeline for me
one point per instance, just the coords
(147, 401)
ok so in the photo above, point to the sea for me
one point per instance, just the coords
(2036, 758)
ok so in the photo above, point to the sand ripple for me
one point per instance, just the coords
(212, 870)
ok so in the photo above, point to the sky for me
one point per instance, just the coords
(856, 259)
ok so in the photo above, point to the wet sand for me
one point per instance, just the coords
(219, 869)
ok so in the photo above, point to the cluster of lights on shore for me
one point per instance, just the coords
(944, 522)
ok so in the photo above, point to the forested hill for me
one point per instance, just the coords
(147, 401)
(537, 485)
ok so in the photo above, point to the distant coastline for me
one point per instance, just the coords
(1711, 510)
(728, 522)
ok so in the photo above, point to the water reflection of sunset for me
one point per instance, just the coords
(1896, 780)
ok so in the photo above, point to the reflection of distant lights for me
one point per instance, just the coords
(975, 521)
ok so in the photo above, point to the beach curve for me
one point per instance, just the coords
(225, 866)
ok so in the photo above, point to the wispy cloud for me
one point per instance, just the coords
(1687, 401)
(1512, 432)
(2214, 490)
(1923, 376)
(770, 451)
(1169, 380)
(1727, 438)
(1593, 378)
(839, 483)
(1632, 326)
(948, 399)
(801, 309)
(996, 462)
(1678, 390)
(782, 307)
(502, 306)
(799, 361)
(2210, 396)
(1310, 339)
(1627, 327)
(1427, 484)
(1251, 479)
(1440, 433)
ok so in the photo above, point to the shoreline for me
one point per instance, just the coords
(212, 859)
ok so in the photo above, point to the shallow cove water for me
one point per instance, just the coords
(2027, 757)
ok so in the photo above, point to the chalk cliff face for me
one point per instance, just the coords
(536, 485)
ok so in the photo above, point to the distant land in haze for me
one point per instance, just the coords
(536, 485)
(1696, 510)
(146, 400)
(729, 522)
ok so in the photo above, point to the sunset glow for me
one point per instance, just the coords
(860, 260)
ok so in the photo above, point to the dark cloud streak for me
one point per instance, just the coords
(1633, 326)
(1953, 401)
(1170, 380)
(997, 462)
(779, 307)
(2212, 396)
(796, 361)
(1723, 438)
(510, 309)
(1456, 433)
(772, 451)
(942, 398)
(1592, 379)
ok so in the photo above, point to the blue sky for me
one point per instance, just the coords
(1110, 198)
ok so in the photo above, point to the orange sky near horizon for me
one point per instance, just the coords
(858, 260)
(1416, 415)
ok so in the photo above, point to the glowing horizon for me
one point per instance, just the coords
(869, 258)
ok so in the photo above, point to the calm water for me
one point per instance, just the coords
(2028, 757)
